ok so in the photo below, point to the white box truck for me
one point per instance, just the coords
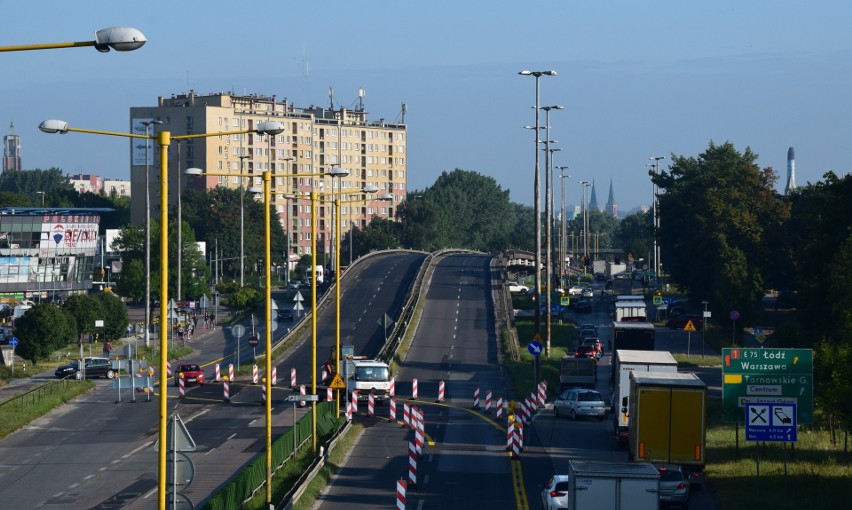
(626, 362)
(613, 486)
(368, 377)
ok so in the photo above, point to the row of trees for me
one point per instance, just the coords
(47, 327)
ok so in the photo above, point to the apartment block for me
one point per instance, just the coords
(315, 141)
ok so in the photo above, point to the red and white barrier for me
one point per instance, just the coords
(324, 375)
(354, 401)
(476, 398)
(226, 396)
(371, 405)
(230, 372)
(329, 395)
(400, 494)
(348, 411)
(488, 402)
(441, 388)
(414, 388)
(417, 417)
(392, 408)
(406, 414)
(218, 374)
(302, 392)
(169, 368)
(412, 463)
(181, 387)
(274, 376)
(263, 392)
(254, 375)
(499, 413)
(542, 394)
(392, 387)
(292, 377)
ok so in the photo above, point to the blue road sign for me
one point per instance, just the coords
(13, 341)
(768, 421)
(534, 347)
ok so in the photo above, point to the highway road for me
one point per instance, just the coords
(466, 464)
(98, 453)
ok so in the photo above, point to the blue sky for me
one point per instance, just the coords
(637, 79)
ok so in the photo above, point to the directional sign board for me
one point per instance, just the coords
(13, 341)
(534, 347)
(303, 398)
(770, 422)
(769, 376)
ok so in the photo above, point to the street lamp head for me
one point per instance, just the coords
(119, 39)
(270, 127)
(54, 126)
(338, 172)
(533, 127)
(537, 73)
(553, 107)
(370, 188)
(254, 190)
(193, 171)
(656, 158)
(386, 197)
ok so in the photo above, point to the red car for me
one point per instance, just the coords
(585, 351)
(190, 373)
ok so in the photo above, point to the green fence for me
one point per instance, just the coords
(253, 477)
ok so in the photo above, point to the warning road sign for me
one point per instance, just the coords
(337, 383)
(689, 327)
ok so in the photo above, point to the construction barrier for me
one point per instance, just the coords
(329, 394)
(231, 372)
(354, 401)
(476, 398)
(302, 392)
(254, 376)
(412, 463)
(169, 368)
(441, 391)
(488, 402)
(218, 374)
(181, 387)
(292, 377)
(371, 405)
(499, 413)
(392, 387)
(400, 494)
(274, 376)
(226, 392)
(406, 414)
(414, 388)
(392, 408)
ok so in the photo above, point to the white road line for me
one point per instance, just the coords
(420, 503)
(58, 494)
(150, 493)
(252, 422)
(201, 413)
(88, 477)
(131, 452)
(211, 451)
(231, 436)
(73, 485)
(102, 469)
(116, 461)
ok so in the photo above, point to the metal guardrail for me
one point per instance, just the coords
(22, 400)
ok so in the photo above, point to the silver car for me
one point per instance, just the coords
(674, 486)
(578, 402)
(555, 493)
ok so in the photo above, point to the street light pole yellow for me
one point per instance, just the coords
(164, 139)
(116, 38)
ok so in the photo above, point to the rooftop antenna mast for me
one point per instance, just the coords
(361, 94)
(402, 112)
(331, 98)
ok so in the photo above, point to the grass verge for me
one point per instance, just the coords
(21, 410)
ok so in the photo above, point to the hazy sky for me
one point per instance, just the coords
(637, 79)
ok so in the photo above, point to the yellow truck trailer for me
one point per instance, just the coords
(668, 421)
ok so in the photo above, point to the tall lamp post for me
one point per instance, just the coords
(563, 249)
(548, 211)
(585, 185)
(656, 219)
(164, 139)
(115, 38)
(147, 321)
(537, 205)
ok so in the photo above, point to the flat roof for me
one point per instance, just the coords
(633, 325)
(628, 469)
(664, 378)
(634, 356)
(51, 211)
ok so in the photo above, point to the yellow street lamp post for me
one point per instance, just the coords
(267, 221)
(164, 139)
(116, 38)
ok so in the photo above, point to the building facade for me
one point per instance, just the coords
(315, 141)
(11, 150)
(48, 253)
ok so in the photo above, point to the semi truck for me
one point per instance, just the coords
(613, 486)
(367, 377)
(668, 421)
(625, 362)
(577, 372)
(635, 336)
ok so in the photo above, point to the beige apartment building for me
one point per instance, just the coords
(315, 140)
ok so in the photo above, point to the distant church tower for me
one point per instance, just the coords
(791, 171)
(593, 200)
(11, 150)
(611, 207)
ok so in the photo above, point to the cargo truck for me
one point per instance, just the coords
(668, 421)
(635, 336)
(626, 362)
(612, 486)
(577, 372)
(368, 377)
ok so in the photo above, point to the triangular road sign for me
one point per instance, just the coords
(337, 383)
(298, 297)
(177, 437)
(689, 326)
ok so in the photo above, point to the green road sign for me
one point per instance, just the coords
(767, 375)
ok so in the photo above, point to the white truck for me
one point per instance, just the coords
(613, 486)
(626, 362)
(368, 377)
(613, 269)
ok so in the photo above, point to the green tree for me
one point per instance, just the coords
(380, 234)
(43, 329)
(85, 309)
(634, 235)
(713, 214)
(115, 315)
(131, 282)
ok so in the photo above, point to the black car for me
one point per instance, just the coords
(285, 315)
(94, 367)
(583, 306)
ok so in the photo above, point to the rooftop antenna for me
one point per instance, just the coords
(331, 98)
(402, 112)
(361, 94)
